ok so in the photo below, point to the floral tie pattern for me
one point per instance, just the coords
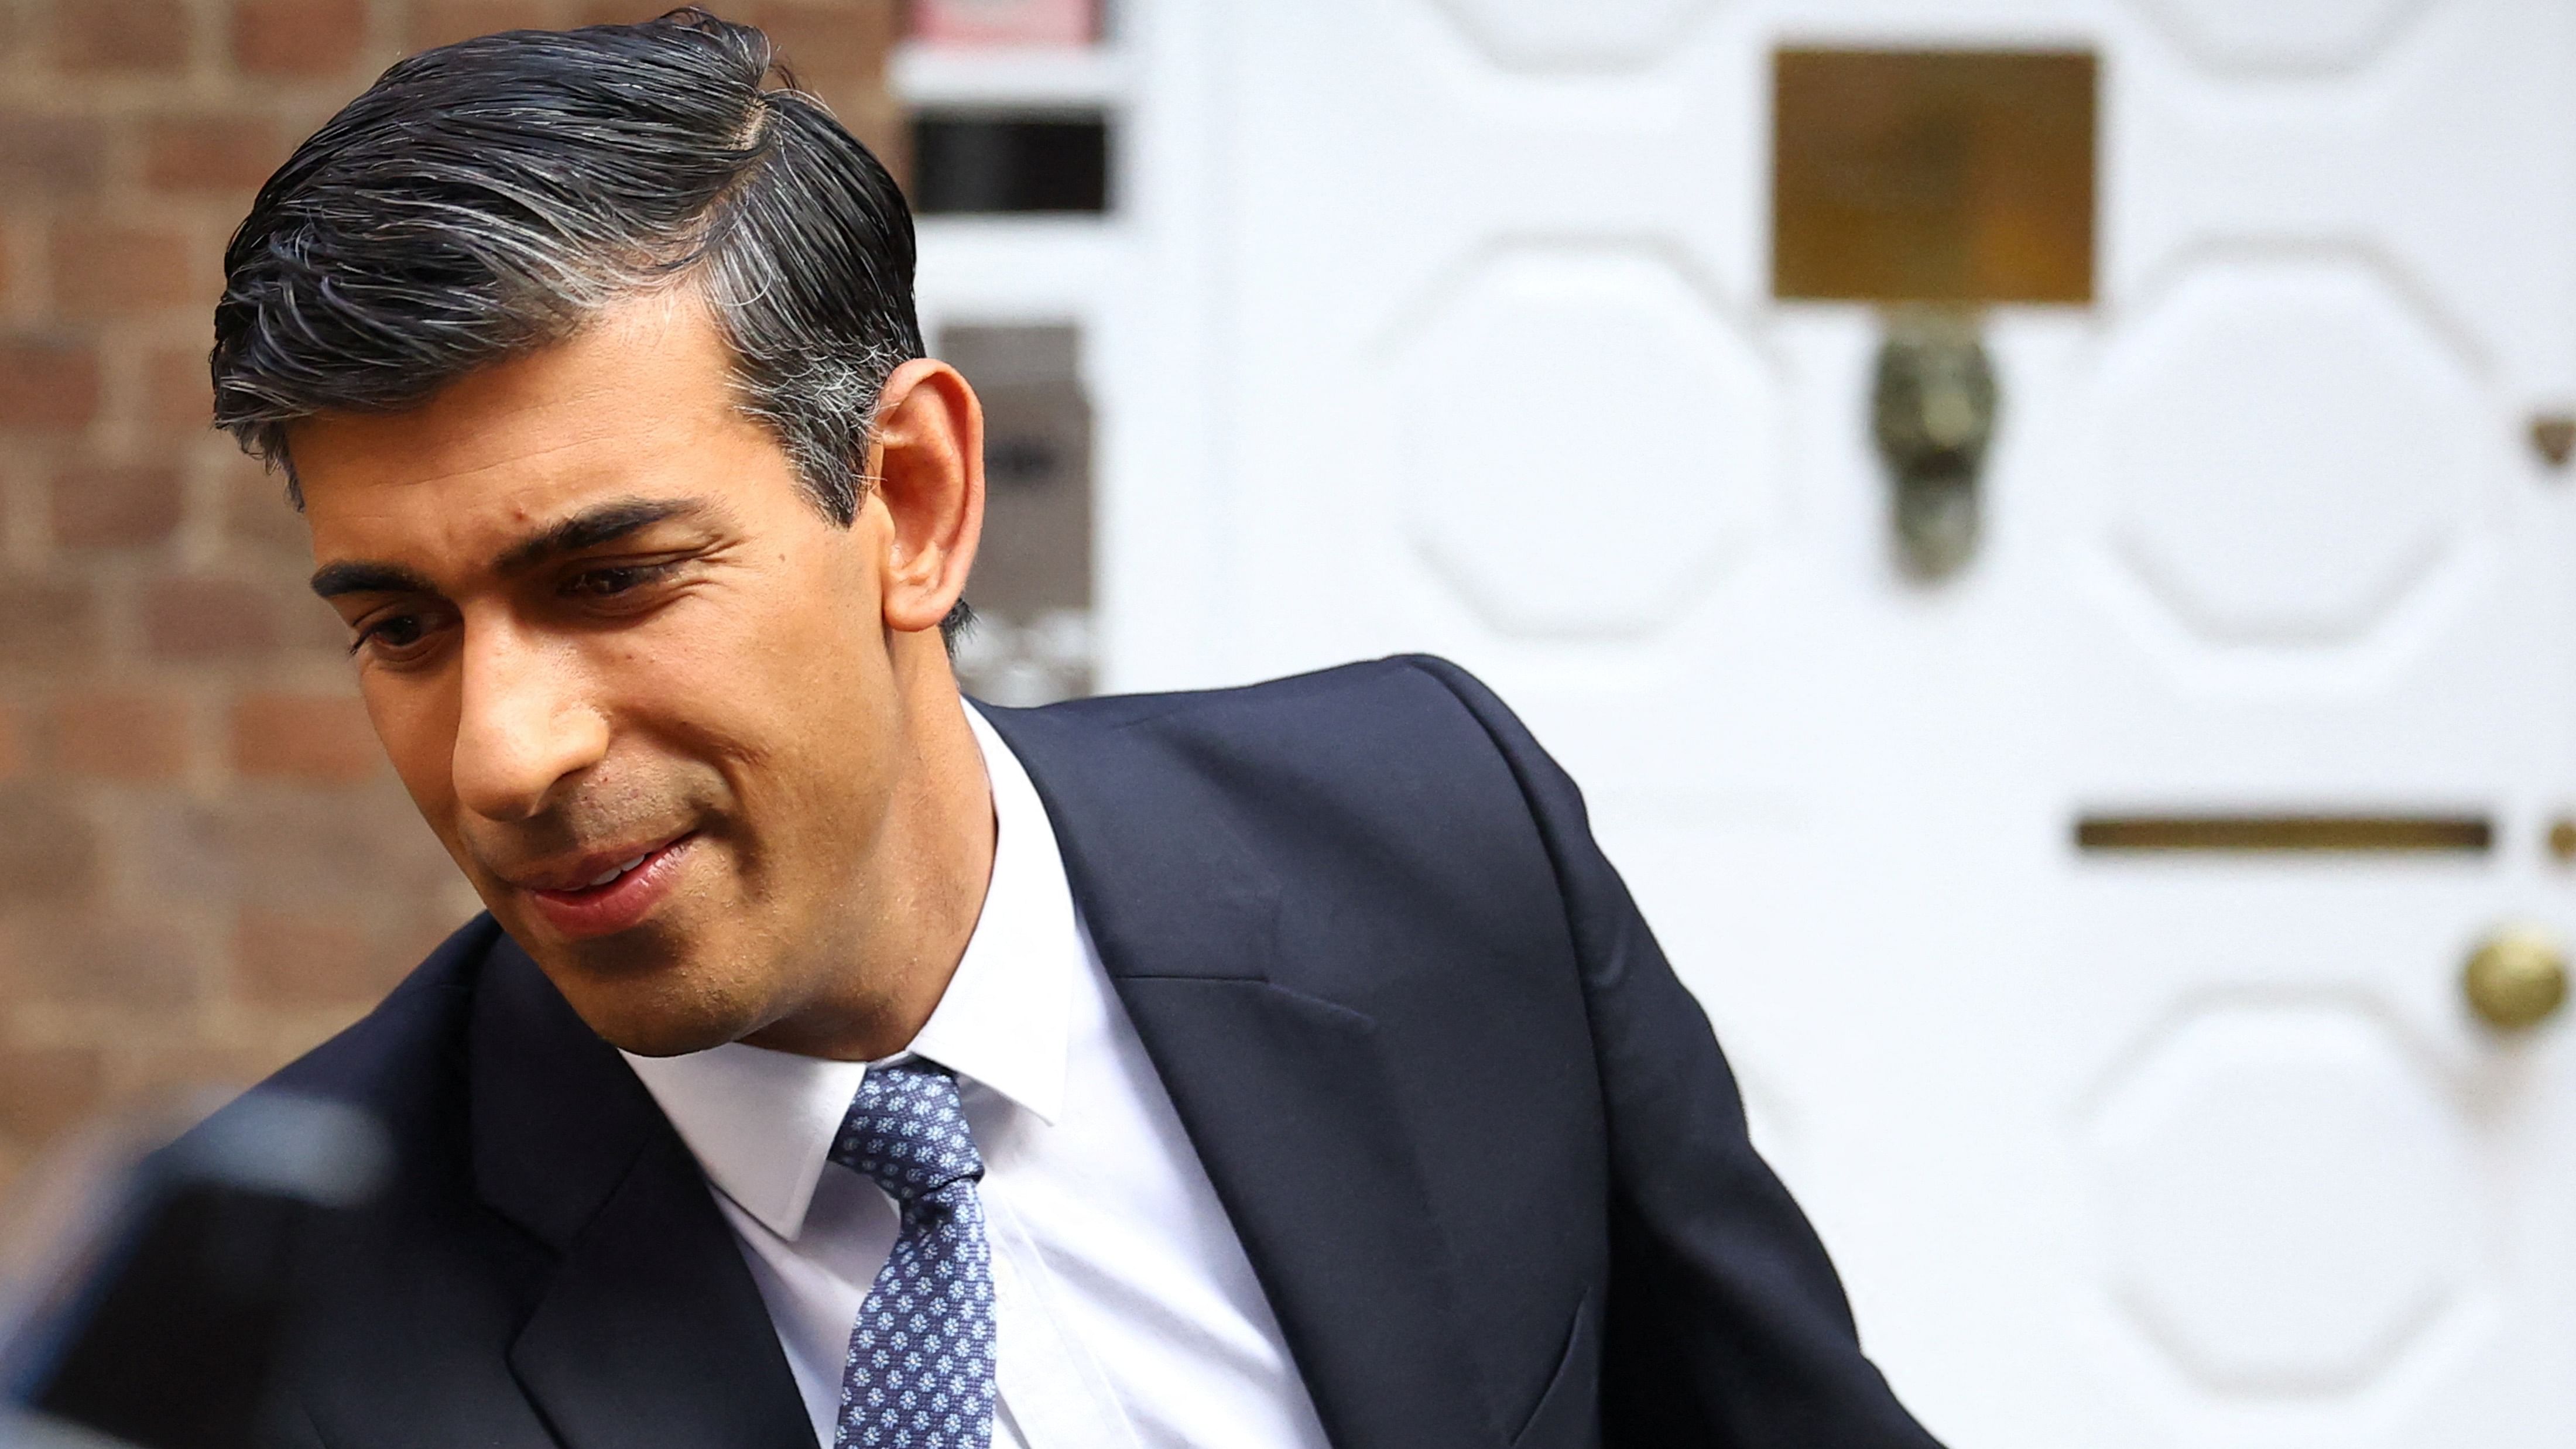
(920, 1371)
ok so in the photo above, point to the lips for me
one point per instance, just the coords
(618, 895)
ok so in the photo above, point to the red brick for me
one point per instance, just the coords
(121, 35)
(108, 269)
(614, 12)
(298, 37)
(47, 386)
(878, 124)
(211, 153)
(183, 847)
(256, 511)
(121, 735)
(300, 959)
(79, 956)
(320, 738)
(46, 1089)
(442, 22)
(178, 395)
(47, 623)
(49, 155)
(48, 852)
(198, 1065)
(202, 619)
(13, 742)
(110, 505)
(360, 848)
(824, 41)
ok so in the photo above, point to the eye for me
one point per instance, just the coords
(616, 579)
(394, 635)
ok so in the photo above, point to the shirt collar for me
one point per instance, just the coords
(1006, 1018)
(761, 1123)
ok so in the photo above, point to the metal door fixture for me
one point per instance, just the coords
(2286, 833)
(1933, 413)
(2553, 437)
(2516, 979)
(1933, 179)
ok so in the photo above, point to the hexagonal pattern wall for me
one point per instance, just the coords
(2283, 1196)
(1584, 437)
(2283, 35)
(1589, 35)
(2288, 445)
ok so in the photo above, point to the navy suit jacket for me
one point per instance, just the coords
(1479, 1143)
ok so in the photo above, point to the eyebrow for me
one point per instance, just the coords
(593, 526)
(599, 524)
(333, 580)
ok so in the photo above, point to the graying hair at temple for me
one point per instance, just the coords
(492, 196)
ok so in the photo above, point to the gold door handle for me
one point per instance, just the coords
(2516, 979)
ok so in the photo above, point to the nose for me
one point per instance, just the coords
(525, 726)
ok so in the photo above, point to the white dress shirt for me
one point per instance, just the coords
(1127, 1315)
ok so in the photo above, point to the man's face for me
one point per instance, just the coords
(641, 687)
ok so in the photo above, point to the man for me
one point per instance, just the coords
(843, 1063)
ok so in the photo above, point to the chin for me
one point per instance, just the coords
(659, 1034)
(667, 1010)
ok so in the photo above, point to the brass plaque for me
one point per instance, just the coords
(1961, 176)
(2364, 834)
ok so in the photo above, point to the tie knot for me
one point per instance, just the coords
(906, 1131)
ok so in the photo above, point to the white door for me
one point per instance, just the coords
(2113, 1149)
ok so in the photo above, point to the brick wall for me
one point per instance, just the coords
(205, 865)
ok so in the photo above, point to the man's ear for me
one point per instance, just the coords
(928, 462)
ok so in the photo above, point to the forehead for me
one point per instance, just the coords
(639, 404)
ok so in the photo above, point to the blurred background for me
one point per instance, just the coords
(2042, 526)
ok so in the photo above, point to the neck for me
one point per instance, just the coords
(930, 867)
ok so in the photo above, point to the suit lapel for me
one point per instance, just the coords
(1284, 1095)
(648, 1330)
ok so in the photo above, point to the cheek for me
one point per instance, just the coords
(415, 719)
(782, 690)
(818, 641)
(416, 722)
(812, 720)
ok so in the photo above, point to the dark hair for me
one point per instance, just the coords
(492, 196)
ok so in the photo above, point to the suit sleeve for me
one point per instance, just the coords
(1725, 1322)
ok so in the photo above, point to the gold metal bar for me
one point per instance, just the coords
(2355, 834)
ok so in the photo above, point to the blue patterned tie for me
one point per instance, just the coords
(920, 1373)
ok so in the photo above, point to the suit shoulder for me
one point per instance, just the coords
(1378, 761)
(1413, 699)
